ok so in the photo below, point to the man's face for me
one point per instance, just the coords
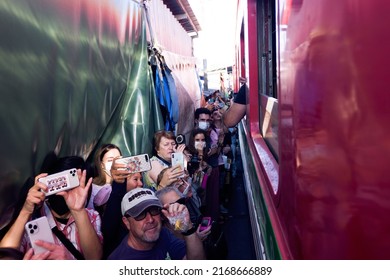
(203, 118)
(146, 230)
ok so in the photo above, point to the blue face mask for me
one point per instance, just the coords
(211, 100)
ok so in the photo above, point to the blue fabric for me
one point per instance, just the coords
(174, 112)
(164, 97)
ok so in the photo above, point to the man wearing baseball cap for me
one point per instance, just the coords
(147, 238)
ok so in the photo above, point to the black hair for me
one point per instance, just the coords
(201, 110)
(68, 162)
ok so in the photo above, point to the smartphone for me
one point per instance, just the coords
(135, 164)
(179, 158)
(206, 221)
(188, 186)
(61, 181)
(39, 229)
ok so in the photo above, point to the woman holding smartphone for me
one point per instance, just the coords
(164, 146)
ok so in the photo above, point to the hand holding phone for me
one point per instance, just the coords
(205, 223)
(179, 159)
(135, 164)
(61, 181)
(39, 229)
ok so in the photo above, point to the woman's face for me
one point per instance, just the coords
(216, 115)
(199, 141)
(165, 149)
(108, 158)
(134, 181)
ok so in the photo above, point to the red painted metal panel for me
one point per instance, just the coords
(335, 111)
(252, 58)
(334, 151)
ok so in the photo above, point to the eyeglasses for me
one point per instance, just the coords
(153, 211)
(180, 183)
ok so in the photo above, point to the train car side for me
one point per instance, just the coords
(316, 126)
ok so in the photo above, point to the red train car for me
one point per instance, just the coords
(315, 139)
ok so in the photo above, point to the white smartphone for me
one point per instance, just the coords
(61, 181)
(39, 229)
(179, 158)
(135, 164)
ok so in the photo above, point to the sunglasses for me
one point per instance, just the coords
(181, 201)
(153, 211)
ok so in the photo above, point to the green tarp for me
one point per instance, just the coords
(74, 74)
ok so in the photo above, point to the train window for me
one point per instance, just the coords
(268, 102)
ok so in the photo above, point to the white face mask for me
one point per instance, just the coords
(200, 145)
(107, 167)
(203, 125)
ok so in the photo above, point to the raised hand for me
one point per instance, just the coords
(36, 195)
(76, 198)
(119, 171)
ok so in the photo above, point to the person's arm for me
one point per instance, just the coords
(35, 196)
(75, 199)
(156, 169)
(195, 250)
(89, 241)
(234, 114)
(14, 235)
(194, 246)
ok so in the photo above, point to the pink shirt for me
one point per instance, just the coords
(214, 142)
(69, 230)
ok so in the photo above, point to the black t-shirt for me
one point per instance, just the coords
(240, 97)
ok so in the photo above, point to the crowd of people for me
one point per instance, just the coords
(115, 213)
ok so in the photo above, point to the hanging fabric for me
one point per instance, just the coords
(164, 97)
(174, 112)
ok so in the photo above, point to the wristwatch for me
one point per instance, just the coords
(190, 231)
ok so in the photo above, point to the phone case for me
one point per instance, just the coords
(39, 229)
(206, 221)
(61, 181)
(138, 163)
(178, 158)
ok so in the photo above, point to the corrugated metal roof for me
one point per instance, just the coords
(182, 11)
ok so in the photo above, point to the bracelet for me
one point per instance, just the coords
(190, 231)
